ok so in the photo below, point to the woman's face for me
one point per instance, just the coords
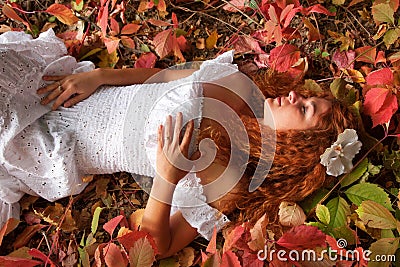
(294, 112)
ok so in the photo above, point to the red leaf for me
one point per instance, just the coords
(128, 42)
(112, 224)
(130, 28)
(236, 5)
(10, 225)
(229, 259)
(386, 112)
(382, 76)
(40, 255)
(162, 8)
(302, 237)
(344, 59)
(6, 261)
(281, 58)
(113, 256)
(111, 44)
(251, 259)
(233, 237)
(380, 58)
(103, 18)
(366, 54)
(175, 20)
(114, 26)
(129, 240)
(212, 245)
(261, 60)
(319, 9)
(63, 13)
(246, 44)
(332, 242)
(374, 100)
(158, 23)
(10, 13)
(165, 43)
(146, 60)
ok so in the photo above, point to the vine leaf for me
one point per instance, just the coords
(281, 58)
(63, 14)
(141, 253)
(383, 13)
(384, 246)
(380, 104)
(229, 259)
(367, 191)
(112, 224)
(113, 256)
(166, 42)
(375, 215)
(146, 60)
(302, 237)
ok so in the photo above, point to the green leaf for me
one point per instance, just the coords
(317, 52)
(253, 4)
(383, 13)
(323, 214)
(355, 174)
(144, 48)
(384, 246)
(325, 54)
(346, 233)
(339, 209)
(311, 85)
(387, 233)
(375, 215)
(338, 88)
(320, 226)
(95, 220)
(311, 201)
(367, 191)
(391, 36)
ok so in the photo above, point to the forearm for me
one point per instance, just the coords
(139, 75)
(156, 218)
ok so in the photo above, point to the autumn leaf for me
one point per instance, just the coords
(186, 257)
(281, 58)
(212, 245)
(258, 233)
(110, 226)
(165, 43)
(9, 226)
(291, 214)
(114, 26)
(380, 77)
(111, 44)
(211, 40)
(40, 255)
(10, 13)
(380, 104)
(26, 235)
(128, 42)
(158, 23)
(344, 59)
(236, 5)
(346, 40)
(102, 18)
(229, 259)
(6, 261)
(63, 14)
(130, 28)
(113, 256)
(108, 60)
(302, 237)
(313, 32)
(383, 13)
(141, 253)
(232, 237)
(366, 54)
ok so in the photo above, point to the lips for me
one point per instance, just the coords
(278, 99)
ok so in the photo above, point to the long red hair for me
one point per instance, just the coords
(294, 170)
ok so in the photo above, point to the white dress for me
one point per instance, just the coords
(45, 153)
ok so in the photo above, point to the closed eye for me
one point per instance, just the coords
(304, 109)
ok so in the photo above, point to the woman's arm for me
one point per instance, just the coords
(71, 89)
(170, 233)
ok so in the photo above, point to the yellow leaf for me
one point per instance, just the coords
(211, 40)
(355, 75)
(108, 60)
(63, 14)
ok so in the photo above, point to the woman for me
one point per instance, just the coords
(48, 143)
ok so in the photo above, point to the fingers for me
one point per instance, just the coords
(74, 100)
(187, 137)
(168, 130)
(178, 126)
(53, 78)
(52, 86)
(160, 138)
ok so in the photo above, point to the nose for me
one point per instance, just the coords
(293, 97)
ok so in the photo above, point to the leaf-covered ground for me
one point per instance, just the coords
(353, 46)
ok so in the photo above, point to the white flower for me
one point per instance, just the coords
(338, 158)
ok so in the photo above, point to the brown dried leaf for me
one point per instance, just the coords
(186, 257)
(291, 214)
(258, 234)
(26, 235)
(136, 219)
(10, 225)
(211, 41)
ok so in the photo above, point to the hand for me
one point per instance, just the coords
(172, 156)
(69, 90)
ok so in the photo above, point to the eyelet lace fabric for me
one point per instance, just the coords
(45, 153)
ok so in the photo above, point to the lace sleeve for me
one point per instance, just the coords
(189, 199)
